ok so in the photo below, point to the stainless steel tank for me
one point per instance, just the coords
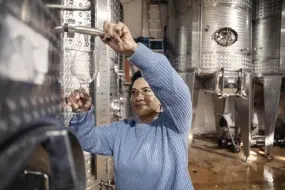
(105, 85)
(183, 36)
(31, 100)
(77, 47)
(266, 36)
(29, 66)
(226, 36)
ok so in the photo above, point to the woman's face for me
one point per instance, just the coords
(143, 100)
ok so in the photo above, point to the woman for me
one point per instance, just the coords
(150, 152)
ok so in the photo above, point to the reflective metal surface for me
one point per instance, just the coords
(63, 159)
(116, 70)
(107, 86)
(222, 53)
(29, 66)
(219, 107)
(102, 88)
(31, 96)
(193, 85)
(244, 117)
(222, 23)
(266, 36)
(183, 37)
(118, 108)
(271, 85)
(82, 47)
(196, 32)
(107, 83)
(71, 29)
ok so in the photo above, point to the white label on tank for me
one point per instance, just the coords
(24, 56)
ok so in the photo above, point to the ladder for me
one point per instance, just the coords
(155, 32)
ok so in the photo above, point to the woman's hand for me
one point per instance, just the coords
(119, 38)
(79, 101)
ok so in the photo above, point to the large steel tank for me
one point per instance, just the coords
(266, 36)
(226, 36)
(31, 101)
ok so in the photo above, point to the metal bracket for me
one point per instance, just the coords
(231, 83)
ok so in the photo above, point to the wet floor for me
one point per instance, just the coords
(214, 168)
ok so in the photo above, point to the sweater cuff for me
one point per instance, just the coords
(80, 118)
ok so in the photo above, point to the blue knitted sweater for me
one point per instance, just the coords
(150, 156)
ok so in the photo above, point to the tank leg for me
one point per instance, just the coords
(272, 85)
(244, 117)
(193, 85)
(219, 107)
(230, 108)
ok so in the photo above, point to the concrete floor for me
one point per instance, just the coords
(213, 168)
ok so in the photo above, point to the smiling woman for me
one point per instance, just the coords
(149, 152)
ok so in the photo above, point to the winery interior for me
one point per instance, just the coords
(230, 53)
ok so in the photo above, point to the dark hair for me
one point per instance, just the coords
(136, 75)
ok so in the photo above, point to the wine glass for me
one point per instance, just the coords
(84, 67)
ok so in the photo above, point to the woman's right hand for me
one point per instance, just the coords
(79, 101)
(119, 38)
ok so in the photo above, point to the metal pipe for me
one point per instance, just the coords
(71, 29)
(88, 31)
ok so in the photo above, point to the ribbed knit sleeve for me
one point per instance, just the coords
(167, 85)
(97, 140)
